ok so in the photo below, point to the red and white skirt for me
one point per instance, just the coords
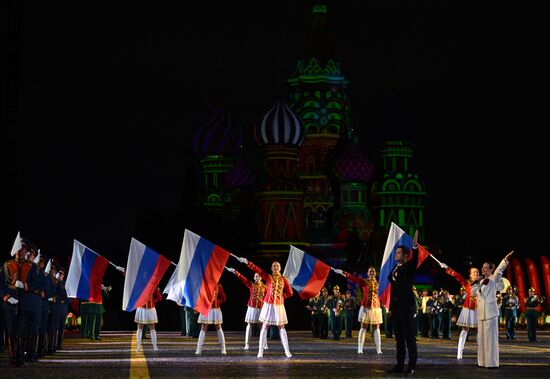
(371, 316)
(252, 315)
(273, 314)
(214, 317)
(467, 318)
(146, 316)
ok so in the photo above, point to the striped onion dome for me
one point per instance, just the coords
(280, 126)
(240, 176)
(353, 166)
(218, 136)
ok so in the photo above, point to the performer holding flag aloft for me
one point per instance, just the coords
(273, 310)
(468, 315)
(370, 312)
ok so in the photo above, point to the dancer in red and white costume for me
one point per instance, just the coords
(255, 302)
(273, 310)
(468, 315)
(147, 315)
(370, 312)
(215, 318)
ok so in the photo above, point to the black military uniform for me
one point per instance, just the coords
(314, 309)
(511, 304)
(335, 305)
(59, 308)
(323, 314)
(531, 314)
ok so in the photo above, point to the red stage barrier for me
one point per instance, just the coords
(520, 284)
(545, 263)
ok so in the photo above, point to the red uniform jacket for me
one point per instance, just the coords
(278, 287)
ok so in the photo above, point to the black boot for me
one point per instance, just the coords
(11, 351)
(59, 340)
(51, 345)
(20, 351)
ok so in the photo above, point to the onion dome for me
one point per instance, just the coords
(218, 136)
(280, 126)
(240, 176)
(353, 166)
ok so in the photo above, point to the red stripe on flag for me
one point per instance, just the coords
(96, 278)
(317, 280)
(422, 255)
(160, 269)
(212, 273)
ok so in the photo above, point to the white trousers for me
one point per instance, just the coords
(487, 342)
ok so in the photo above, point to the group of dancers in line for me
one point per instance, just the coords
(266, 306)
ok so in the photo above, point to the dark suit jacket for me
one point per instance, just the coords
(402, 295)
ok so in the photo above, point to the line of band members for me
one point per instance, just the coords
(435, 313)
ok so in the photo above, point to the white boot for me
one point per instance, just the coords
(154, 339)
(361, 340)
(284, 342)
(139, 333)
(221, 338)
(200, 342)
(377, 341)
(247, 336)
(263, 338)
(461, 343)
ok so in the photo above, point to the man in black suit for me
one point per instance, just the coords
(402, 306)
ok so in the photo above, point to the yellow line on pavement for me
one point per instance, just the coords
(138, 362)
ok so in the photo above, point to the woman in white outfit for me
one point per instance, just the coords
(255, 302)
(485, 288)
(273, 310)
(370, 312)
(215, 318)
(147, 315)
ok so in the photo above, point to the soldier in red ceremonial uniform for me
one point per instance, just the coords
(255, 302)
(215, 318)
(273, 310)
(147, 315)
(10, 292)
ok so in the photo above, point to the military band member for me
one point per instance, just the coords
(215, 318)
(273, 311)
(335, 305)
(370, 313)
(510, 302)
(48, 291)
(314, 308)
(255, 302)
(447, 307)
(434, 310)
(349, 313)
(323, 314)
(532, 302)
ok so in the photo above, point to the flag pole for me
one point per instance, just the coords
(233, 255)
(174, 264)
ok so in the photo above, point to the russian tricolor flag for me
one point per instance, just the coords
(85, 274)
(144, 271)
(396, 237)
(306, 274)
(199, 269)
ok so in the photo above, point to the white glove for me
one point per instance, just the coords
(338, 271)
(444, 266)
(231, 270)
(243, 260)
(121, 269)
(13, 300)
(19, 284)
(51, 299)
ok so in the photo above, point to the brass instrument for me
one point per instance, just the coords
(339, 306)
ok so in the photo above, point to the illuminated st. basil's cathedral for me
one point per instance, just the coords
(317, 190)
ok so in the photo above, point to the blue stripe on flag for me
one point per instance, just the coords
(145, 272)
(385, 270)
(193, 282)
(305, 273)
(87, 263)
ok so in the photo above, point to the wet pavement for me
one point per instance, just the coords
(114, 357)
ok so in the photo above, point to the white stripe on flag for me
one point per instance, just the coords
(75, 269)
(137, 250)
(293, 263)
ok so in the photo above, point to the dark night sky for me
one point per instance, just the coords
(110, 95)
